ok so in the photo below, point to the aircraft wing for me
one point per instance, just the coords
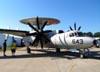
(14, 32)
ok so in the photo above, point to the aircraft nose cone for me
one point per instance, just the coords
(89, 41)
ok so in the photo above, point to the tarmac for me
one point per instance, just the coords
(47, 60)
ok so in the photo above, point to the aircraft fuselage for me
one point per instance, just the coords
(64, 40)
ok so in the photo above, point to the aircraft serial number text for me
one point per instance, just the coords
(77, 41)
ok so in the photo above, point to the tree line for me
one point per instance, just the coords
(90, 34)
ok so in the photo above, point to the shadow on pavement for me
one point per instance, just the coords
(62, 54)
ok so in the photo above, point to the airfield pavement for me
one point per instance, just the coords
(47, 60)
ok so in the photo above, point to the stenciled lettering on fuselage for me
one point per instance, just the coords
(77, 41)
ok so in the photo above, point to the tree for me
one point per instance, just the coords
(90, 34)
(97, 34)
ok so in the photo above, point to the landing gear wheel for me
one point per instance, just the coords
(28, 50)
(83, 55)
(58, 50)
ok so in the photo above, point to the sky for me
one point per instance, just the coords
(85, 13)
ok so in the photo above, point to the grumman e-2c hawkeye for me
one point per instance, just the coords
(73, 39)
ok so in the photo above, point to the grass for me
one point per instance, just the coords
(0, 49)
(9, 48)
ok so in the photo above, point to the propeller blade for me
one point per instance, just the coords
(75, 25)
(45, 23)
(32, 34)
(37, 21)
(35, 42)
(71, 28)
(33, 27)
(79, 28)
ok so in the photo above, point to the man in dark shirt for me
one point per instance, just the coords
(4, 47)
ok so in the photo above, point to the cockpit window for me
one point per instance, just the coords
(61, 31)
(71, 34)
(77, 34)
(80, 34)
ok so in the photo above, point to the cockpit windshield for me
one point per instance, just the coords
(80, 34)
(76, 34)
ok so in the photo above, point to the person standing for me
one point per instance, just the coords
(13, 48)
(4, 47)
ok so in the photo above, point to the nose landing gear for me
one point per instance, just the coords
(58, 50)
(84, 53)
(28, 50)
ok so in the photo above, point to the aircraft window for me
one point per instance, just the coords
(80, 34)
(60, 31)
(76, 34)
(71, 34)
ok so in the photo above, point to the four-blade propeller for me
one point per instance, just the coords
(40, 34)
